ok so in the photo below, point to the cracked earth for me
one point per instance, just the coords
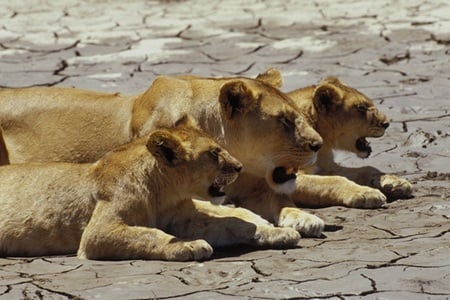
(397, 53)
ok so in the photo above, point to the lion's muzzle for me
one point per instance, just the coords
(229, 171)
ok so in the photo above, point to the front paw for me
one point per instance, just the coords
(190, 250)
(395, 188)
(364, 197)
(307, 224)
(276, 237)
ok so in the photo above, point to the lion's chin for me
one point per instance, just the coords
(216, 193)
(282, 180)
(218, 200)
(363, 147)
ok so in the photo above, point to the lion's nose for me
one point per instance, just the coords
(238, 168)
(315, 146)
(385, 124)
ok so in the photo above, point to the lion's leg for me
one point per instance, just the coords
(109, 238)
(392, 186)
(290, 215)
(283, 212)
(226, 226)
(319, 191)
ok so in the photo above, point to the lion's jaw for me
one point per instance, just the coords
(355, 139)
(226, 172)
(273, 146)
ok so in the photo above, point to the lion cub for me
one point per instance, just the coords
(135, 202)
(345, 117)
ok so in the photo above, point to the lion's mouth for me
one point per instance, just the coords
(217, 188)
(281, 175)
(363, 147)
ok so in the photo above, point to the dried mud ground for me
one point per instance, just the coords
(396, 52)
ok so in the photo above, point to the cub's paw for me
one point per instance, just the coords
(395, 187)
(276, 237)
(307, 224)
(365, 197)
(191, 250)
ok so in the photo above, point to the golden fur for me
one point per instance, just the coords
(257, 123)
(72, 125)
(135, 202)
(344, 117)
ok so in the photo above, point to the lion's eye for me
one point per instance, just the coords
(215, 152)
(287, 123)
(362, 108)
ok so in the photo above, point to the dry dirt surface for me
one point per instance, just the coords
(396, 52)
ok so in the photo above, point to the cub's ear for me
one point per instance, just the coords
(332, 80)
(328, 96)
(186, 120)
(271, 77)
(165, 146)
(236, 98)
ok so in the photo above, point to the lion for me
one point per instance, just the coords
(344, 117)
(133, 203)
(254, 120)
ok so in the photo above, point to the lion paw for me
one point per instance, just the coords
(307, 224)
(276, 237)
(395, 187)
(192, 250)
(365, 197)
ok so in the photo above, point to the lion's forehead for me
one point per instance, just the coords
(276, 106)
(355, 97)
(201, 144)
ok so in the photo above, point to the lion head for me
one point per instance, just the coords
(344, 117)
(199, 164)
(267, 131)
(258, 124)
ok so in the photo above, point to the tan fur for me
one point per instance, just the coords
(349, 115)
(135, 202)
(341, 115)
(259, 125)
(61, 124)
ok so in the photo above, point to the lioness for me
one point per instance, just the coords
(135, 202)
(344, 117)
(257, 123)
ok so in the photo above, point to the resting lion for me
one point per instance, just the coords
(344, 118)
(135, 202)
(258, 124)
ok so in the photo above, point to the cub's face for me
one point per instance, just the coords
(212, 168)
(266, 131)
(350, 116)
(368, 121)
(199, 166)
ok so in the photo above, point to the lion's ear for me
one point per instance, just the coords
(327, 97)
(271, 77)
(165, 146)
(332, 80)
(236, 98)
